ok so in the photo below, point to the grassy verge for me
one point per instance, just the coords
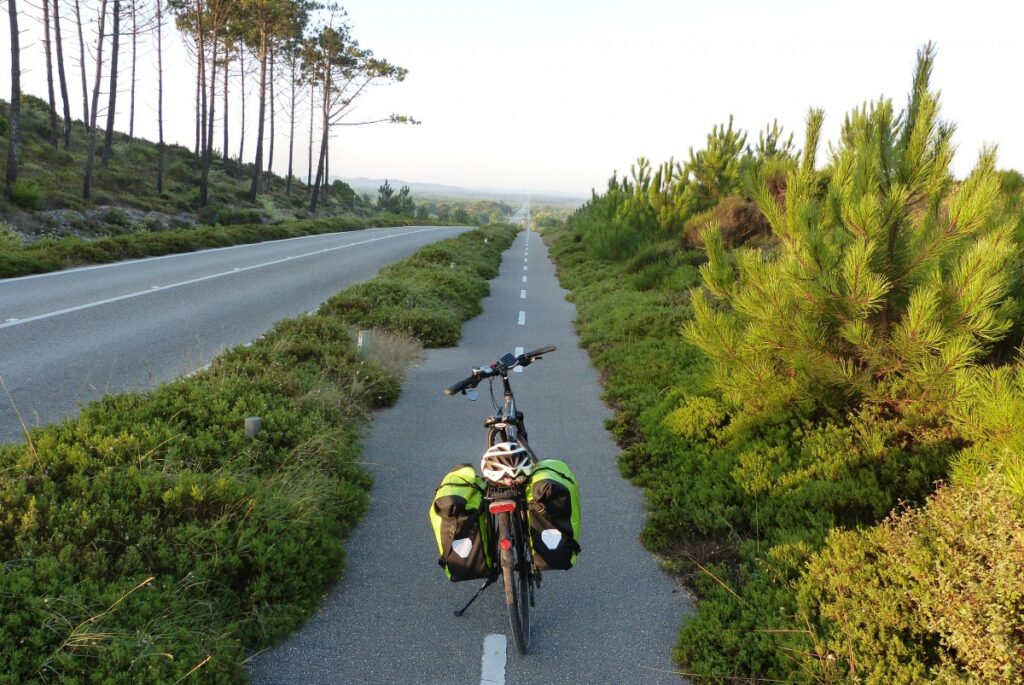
(148, 538)
(53, 254)
(795, 529)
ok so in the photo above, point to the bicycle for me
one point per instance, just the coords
(505, 465)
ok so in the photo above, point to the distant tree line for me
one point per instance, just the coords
(301, 54)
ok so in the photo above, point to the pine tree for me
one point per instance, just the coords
(885, 282)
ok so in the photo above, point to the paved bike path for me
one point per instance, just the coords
(612, 619)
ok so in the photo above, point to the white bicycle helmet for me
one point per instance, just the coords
(506, 460)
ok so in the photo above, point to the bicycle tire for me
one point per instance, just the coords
(514, 582)
(525, 586)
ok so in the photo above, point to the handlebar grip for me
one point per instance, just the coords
(459, 387)
(540, 350)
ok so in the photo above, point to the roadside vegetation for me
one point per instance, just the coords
(816, 375)
(52, 254)
(149, 539)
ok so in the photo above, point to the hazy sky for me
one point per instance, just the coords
(555, 95)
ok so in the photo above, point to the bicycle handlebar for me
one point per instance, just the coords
(496, 368)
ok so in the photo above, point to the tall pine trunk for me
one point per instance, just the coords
(195, 153)
(49, 73)
(211, 103)
(312, 120)
(81, 64)
(227, 65)
(66, 132)
(211, 117)
(108, 141)
(90, 160)
(315, 196)
(241, 88)
(160, 96)
(14, 135)
(270, 156)
(258, 166)
(325, 124)
(291, 131)
(135, 40)
(201, 70)
(327, 168)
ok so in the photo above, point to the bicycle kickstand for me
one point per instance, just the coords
(487, 583)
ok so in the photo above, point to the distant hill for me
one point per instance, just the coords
(437, 190)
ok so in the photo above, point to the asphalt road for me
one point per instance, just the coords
(74, 335)
(612, 619)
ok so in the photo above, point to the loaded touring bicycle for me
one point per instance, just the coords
(520, 518)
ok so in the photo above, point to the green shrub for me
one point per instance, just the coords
(651, 276)
(26, 194)
(697, 418)
(116, 217)
(930, 595)
(235, 216)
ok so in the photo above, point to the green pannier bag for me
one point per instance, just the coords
(460, 525)
(553, 503)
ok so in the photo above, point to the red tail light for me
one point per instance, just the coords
(503, 506)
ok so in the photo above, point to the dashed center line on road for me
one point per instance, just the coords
(88, 305)
(518, 369)
(524, 279)
(492, 663)
(525, 268)
(522, 317)
(522, 294)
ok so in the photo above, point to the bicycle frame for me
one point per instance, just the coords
(506, 501)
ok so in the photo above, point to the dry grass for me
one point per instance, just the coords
(395, 352)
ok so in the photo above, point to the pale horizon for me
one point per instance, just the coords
(553, 99)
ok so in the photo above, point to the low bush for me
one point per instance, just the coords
(26, 194)
(149, 538)
(236, 216)
(432, 292)
(930, 595)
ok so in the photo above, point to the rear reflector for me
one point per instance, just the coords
(506, 544)
(502, 506)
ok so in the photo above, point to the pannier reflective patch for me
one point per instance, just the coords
(462, 547)
(552, 537)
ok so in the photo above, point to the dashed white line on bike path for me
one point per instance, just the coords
(492, 663)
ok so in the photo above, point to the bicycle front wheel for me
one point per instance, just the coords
(515, 575)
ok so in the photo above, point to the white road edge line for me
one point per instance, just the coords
(518, 369)
(492, 663)
(522, 317)
(80, 269)
(157, 288)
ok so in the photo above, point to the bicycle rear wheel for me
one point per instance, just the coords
(515, 574)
